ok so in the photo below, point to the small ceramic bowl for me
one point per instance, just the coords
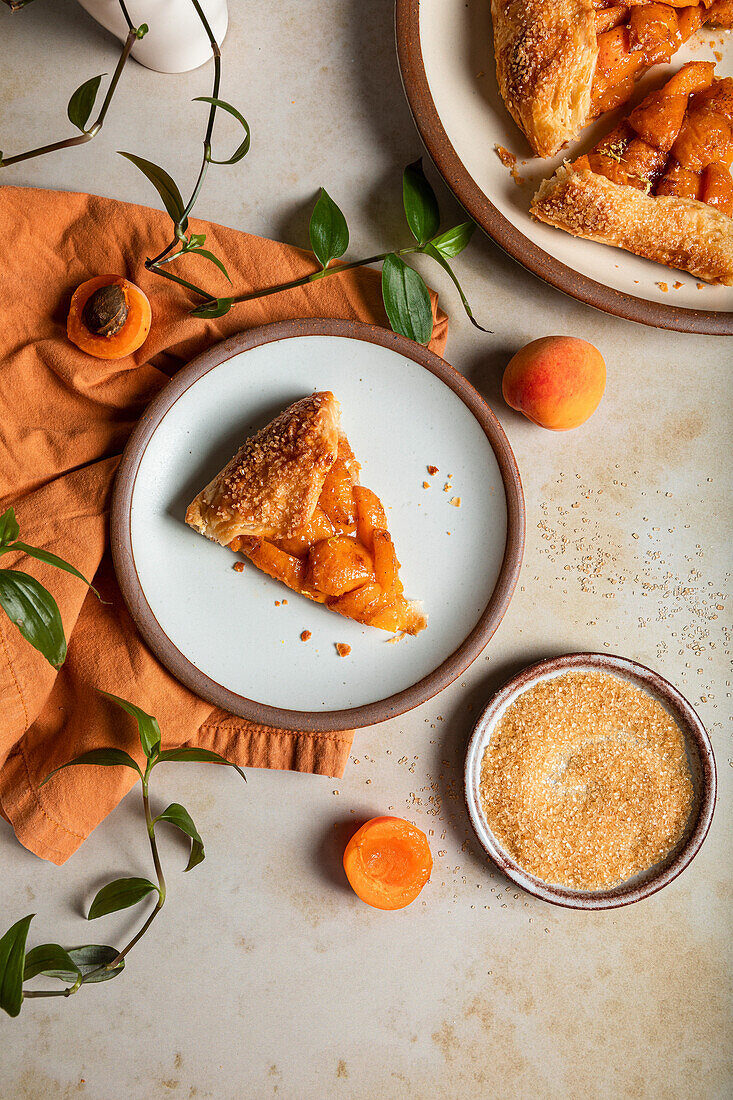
(700, 760)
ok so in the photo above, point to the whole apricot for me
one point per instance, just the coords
(556, 381)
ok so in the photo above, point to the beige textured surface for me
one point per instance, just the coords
(264, 976)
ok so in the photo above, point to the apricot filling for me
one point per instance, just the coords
(678, 141)
(635, 35)
(344, 556)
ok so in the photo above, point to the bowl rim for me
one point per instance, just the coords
(512, 240)
(367, 714)
(692, 728)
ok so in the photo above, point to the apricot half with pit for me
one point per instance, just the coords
(109, 317)
(556, 381)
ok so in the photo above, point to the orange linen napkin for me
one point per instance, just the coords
(64, 420)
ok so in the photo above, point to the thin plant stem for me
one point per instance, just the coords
(123, 6)
(152, 265)
(182, 282)
(81, 139)
(47, 993)
(324, 273)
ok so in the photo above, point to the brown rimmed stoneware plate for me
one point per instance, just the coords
(699, 756)
(234, 638)
(446, 58)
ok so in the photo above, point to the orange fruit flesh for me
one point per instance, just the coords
(132, 334)
(387, 862)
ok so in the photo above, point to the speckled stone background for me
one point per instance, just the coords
(265, 976)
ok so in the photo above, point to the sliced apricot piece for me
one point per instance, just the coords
(704, 137)
(608, 18)
(717, 188)
(644, 163)
(280, 566)
(360, 604)
(319, 527)
(387, 862)
(386, 566)
(370, 515)
(109, 317)
(657, 120)
(339, 565)
(679, 181)
(337, 497)
(654, 29)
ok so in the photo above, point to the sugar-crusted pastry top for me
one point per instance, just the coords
(271, 486)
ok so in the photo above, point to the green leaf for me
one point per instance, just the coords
(12, 956)
(164, 185)
(430, 250)
(210, 256)
(9, 527)
(241, 150)
(328, 231)
(52, 960)
(94, 955)
(120, 894)
(406, 300)
(50, 559)
(196, 240)
(202, 756)
(220, 307)
(140, 32)
(180, 817)
(147, 726)
(82, 101)
(35, 613)
(421, 205)
(104, 758)
(454, 240)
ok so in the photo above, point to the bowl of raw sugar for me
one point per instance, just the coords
(590, 781)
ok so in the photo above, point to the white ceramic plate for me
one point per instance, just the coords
(222, 631)
(447, 62)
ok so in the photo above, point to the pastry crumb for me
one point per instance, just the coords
(447, 487)
(277, 603)
(284, 601)
(700, 286)
(238, 567)
(432, 470)
(663, 287)
(305, 635)
(343, 649)
(426, 484)
(677, 285)
(455, 501)
(507, 159)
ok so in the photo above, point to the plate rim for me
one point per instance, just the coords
(521, 248)
(687, 718)
(279, 717)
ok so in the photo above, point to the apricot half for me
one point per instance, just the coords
(109, 317)
(556, 381)
(387, 862)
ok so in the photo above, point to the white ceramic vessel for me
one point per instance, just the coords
(176, 40)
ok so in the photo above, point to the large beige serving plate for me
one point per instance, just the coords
(446, 58)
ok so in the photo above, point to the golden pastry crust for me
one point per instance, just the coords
(678, 232)
(271, 486)
(546, 52)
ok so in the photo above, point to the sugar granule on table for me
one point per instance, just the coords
(585, 780)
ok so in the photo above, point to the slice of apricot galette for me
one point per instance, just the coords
(290, 501)
(659, 185)
(562, 63)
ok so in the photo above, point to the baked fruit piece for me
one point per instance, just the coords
(561, 63)
(290, 500)
(659, 185)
